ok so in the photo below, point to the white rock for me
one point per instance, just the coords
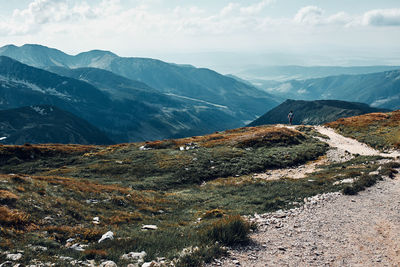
(147, 264)
(108, 264)
(181, 148)
(149, 227)
(96, 220)
(134, 256)
(108, 235)
(14, 257)
(77, 247)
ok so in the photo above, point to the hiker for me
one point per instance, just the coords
(290, 117)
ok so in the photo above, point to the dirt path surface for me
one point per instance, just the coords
(351, 145)
(330, 229)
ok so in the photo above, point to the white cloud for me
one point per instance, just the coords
(382, 17)
(256, 8)
(315, 16)
(312, 15)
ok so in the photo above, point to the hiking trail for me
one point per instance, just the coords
(330, 229)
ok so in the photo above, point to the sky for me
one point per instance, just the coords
(224, 34)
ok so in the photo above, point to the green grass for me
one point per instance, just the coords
(127, 188)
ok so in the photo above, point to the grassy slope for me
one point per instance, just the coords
(379, 130)
(162, 186)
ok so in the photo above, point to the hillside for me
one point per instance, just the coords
(244, 101)
(313, 112)
(125, 110)
(161, 197)
(47, 124)
(377, 89)
(379, 130)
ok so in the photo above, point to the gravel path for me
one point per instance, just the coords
(349, 144)
(330, 229)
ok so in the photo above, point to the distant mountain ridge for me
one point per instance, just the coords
(47, 124)
(380, 90)
(131, 112)
(244, 101)
(263, 74)
(314, 112)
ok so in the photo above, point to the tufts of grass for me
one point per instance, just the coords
(360, 184)
(230, 230)
(7, 198)
(13, 218)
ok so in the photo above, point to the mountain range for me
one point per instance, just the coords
(42, 124)
(132, 111)
(266, 74)
(244, 102)
(314, 112)
(376, 89)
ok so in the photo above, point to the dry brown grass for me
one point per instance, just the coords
(65, 232)
(7, 198)
(360, 121)
(123, 217)
(241, 137)
(13, 218)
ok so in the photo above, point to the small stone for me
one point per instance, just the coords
(108, 264)
(108, 235)
(149, 227)
(236, 262)
(134, 256)
(77, 247)
(14, 257)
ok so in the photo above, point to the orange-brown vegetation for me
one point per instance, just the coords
(241, 137)
(64, 232)
(7, 198)
(13, 218)
(361, 121)
(124, 217)
(214, 213)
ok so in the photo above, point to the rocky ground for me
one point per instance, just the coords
(330, 229)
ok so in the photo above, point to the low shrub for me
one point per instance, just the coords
(7, 198)
(215, 213)
(231, 230)
(13, 218)
(360, 184)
